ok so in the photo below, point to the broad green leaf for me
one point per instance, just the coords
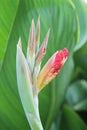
(60, 16)
(76, 95)
(8, 10)
(81, 10)
(53, 127)
(80, 58)
(71, 121)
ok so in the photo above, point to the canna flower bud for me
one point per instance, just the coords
(52, 68)
(38, 34)
(41, 53)
(31, 43)
(25, 88)
(29, 78)
(31, 47)
(42, 50)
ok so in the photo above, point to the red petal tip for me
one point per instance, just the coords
(66, 52)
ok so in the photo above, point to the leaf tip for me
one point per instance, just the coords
(19, 45)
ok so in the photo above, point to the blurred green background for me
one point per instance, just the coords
(63, 103)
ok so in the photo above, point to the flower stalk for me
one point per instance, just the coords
(25, 88)
(30, 78)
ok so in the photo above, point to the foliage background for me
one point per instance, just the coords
(63, 100)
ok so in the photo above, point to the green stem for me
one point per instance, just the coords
(34, 119)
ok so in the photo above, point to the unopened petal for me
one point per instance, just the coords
(42, 50)
(52, 68)
(38, 34)
(31, 42)
(31, 47)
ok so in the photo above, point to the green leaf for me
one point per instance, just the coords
(76, 95)
(80, 58)
(81, 10)
(71, 121)
(60, 16)
(8, 10)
